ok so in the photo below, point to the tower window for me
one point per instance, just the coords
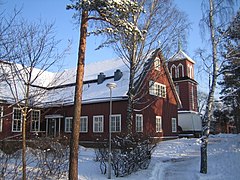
(173, 71)
(193, 98)
(180, 70)
(190, 71)
(158, 124)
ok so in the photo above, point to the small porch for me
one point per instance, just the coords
(53, 125)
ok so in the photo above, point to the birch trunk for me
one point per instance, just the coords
(133, 55)
(209, 107)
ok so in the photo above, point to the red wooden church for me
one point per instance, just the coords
(155, 111)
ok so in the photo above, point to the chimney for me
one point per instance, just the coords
(101, 78)
(118, 75)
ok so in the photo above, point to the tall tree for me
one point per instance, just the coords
(216, 16)
(116, 15)
(162, 25)
(34, 47)
(231, 70)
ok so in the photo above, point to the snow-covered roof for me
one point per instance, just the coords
(180, 55)
(59, 88)
(92, 90)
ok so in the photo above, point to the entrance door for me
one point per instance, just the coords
(52, 127)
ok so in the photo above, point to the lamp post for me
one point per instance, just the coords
(110, 86)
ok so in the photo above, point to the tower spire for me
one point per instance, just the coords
(179, 44)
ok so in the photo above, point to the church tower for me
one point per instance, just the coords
(181, 68)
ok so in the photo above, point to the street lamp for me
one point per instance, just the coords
(110, 86)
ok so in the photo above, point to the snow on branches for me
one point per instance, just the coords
(117, 15)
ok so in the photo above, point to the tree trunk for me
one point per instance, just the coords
(24, 122)
(204, 157)
(24, 173)
(130, 104)
(133, 55)
(209, 107)
(73, 164)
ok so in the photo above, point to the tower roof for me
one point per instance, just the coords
(180, 55)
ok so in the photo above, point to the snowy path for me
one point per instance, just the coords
(170, 159)
(182, 160)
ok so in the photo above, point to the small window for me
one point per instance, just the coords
(97, 124)
(151, 88)
(174, 125)
(84, 124)
(139, 123)
(17, 120)
(158, 124)
(68, 124)
(157, 89)
(1, 118)
(173, 71)
(116, 123)
(157, 64)
(35, 123)
(180, 71)
(162, 91)
(193, 97)
(190, 71)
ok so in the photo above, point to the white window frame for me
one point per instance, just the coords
(34, 122)
(151, 88)
(174, 124)
(157, 64)
(68, 124)
(139, 123)
(16, 121)
(157, 89)
(175, 73)
(158, 124)
(1, 119)
(178, 70)
(115, 125)
(193, 106)
(190, 71)
(99, 123)
(84, 124)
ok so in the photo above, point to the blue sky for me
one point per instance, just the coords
(55, 11)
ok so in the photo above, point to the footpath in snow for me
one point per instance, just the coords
(178, 159)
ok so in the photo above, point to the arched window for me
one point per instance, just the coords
(189, 71)
(180, 70)
(157, 64)
(173, 71)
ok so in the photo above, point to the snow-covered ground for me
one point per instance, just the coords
(178, 159)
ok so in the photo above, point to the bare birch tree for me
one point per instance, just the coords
(34, 53)
(216, 15)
